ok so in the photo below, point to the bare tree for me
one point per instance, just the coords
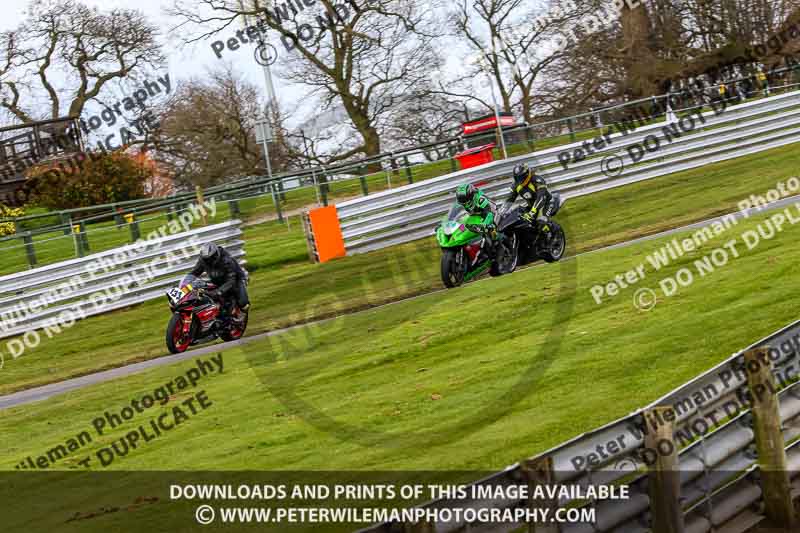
(64, 54)
(514, 43)
(207, 131)
(362, 55)
(660, 42)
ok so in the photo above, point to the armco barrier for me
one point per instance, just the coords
(34, 299)
(411, 212)
(718, 476)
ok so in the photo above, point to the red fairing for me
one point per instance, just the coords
(209, 314)
(473, 250)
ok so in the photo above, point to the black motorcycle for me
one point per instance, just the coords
(530, 241)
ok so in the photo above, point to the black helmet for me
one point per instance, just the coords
(209, 251)
(522, 175)
(465, 193)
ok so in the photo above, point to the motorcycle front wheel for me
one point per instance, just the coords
(177, 341)
(507, 257)
(454, 267)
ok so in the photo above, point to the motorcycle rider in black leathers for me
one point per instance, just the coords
(226, 273)
(533, 190)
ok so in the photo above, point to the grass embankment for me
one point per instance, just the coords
(464, 379)
(286, 289)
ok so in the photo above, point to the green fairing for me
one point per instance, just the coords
(450, 235)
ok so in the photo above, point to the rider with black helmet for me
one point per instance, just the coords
(225, 272)
(533, 190)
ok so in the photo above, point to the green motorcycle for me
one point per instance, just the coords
(468, 250)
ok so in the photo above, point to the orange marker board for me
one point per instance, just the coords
(327, 233)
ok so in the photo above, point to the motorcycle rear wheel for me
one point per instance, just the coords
(177, 342)
(235, 332)
(554, 250)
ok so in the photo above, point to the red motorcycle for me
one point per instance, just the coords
(197, 318)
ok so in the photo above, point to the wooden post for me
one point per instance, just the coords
(769, 439)
(664, 474)
(199, 193)
(539, 472)
(309, 235)
(409, 174)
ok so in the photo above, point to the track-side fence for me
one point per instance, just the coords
(699, 459)
(98, 283)
(691, 141)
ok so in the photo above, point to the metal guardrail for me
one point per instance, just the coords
(410, 212)
(107, 280)
(717, 471)
(399, 159)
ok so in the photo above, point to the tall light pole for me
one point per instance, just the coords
(485, 68)
(263, 129)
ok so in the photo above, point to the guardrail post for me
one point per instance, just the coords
(409, 174)
(663, 473)
(394, 165)
(363, 179)
(134, 225)
(571, 130)
(29, 250)
(452, 151)
(769, 439)
(66, 219)
(233, 209)
(277, 203)
(117, 216)
(539, 472)
(84, 237)
(199, 194)
(281, 194)
(323, 188)
(530, 138)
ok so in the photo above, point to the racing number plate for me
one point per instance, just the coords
(176, 294)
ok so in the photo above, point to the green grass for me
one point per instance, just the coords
(465, 379)
(286, 289)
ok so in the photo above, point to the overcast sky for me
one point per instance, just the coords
(184, 61)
